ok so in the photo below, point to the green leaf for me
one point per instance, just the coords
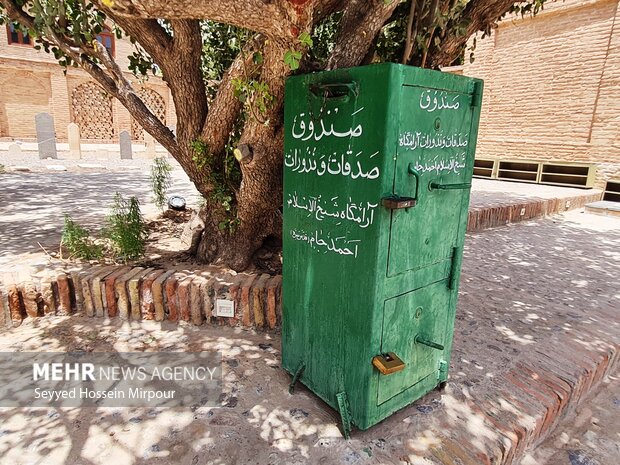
(305, 39)
(292, 59)
(257, 58)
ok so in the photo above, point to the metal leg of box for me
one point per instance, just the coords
(345, 417)
(296, 376)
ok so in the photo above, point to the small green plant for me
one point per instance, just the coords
(160, 180)
(1, 168)
(78, 241)
(255, 96)
(125, 228)
(293, 57)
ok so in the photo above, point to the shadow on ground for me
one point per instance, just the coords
(533, 293)
(33, 205)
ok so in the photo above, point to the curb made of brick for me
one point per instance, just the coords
(135, 293)
(481, 218)
(139, 293)
(524, 406)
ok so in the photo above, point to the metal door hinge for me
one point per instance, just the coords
(455, 264)
(442, 371)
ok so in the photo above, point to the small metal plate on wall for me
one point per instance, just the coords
(388, 363)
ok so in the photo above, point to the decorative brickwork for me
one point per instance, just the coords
(92, 111)
(153, 102)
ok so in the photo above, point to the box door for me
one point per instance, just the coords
(410, 322)
(432, 165)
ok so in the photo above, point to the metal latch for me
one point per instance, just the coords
(420, 340)
(388, 363)
(394, 202)
(462, 185)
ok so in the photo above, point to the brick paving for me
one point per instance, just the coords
(591, 436)
(536, 332)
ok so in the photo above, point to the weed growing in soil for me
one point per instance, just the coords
(79, 242)
(160, 180)
(125, 228)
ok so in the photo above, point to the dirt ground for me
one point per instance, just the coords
(164, 244)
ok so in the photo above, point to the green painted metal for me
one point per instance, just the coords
(372, 248)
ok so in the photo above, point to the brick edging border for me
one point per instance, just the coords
(481, 218)
(527, 404)
(139, 293)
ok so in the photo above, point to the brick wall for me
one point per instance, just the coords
(20, 103)
(552, 86)
(32, 82)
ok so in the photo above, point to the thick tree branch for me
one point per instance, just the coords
(276, 18)
(226, 107)
(482, 14)
(359, 26)
(126, 94)
(410, 37)
(183, 74)
(151, 36)
(113, 81)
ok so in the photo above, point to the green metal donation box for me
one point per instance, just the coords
(378, 163)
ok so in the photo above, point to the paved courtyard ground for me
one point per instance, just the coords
(590, 437)
(530, 292)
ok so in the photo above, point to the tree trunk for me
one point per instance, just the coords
(259, 198)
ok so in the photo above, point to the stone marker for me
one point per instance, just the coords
(75, 149)
(125, 142)
(46, 135)
(150, 145)
(15, 150)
